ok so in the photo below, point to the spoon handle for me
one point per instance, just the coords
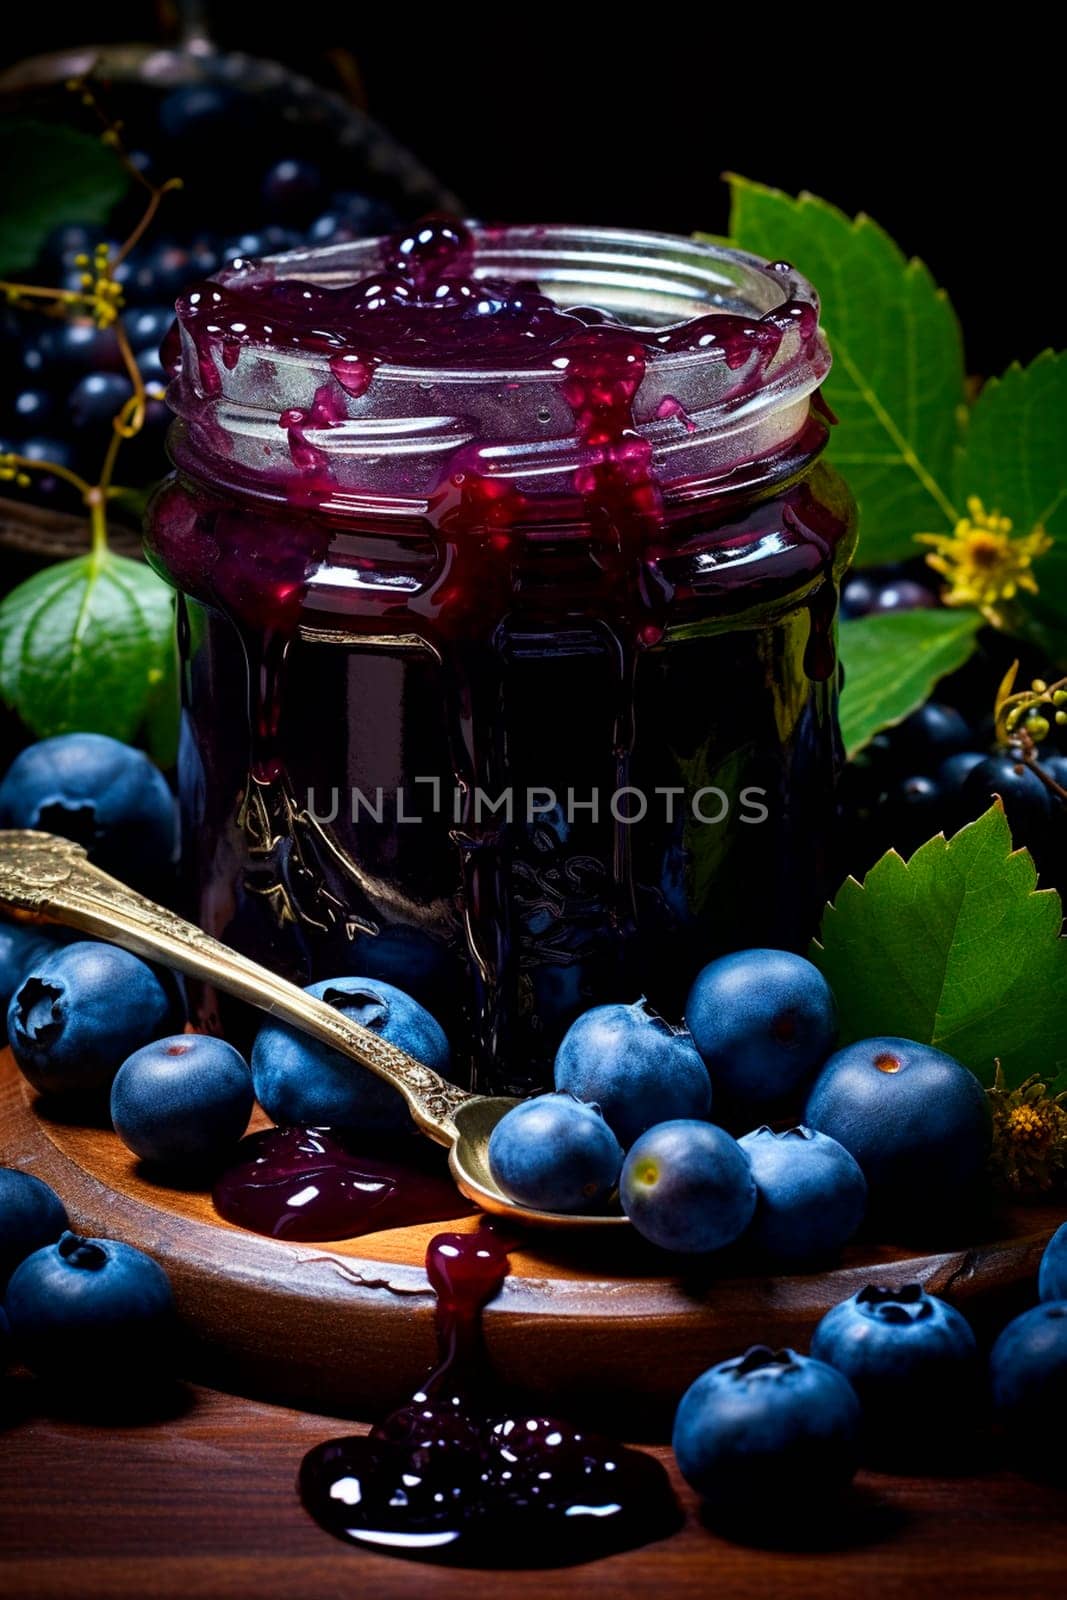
(50, 879)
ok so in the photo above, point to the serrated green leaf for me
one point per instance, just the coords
(956, 948)
(892, 663)
(1014, 458)
(897, 380)
(85, 645)
(50, 174)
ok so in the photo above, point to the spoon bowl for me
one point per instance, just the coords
(44, 878)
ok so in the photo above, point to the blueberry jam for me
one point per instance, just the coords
(508, 579)
(311, 1184)
(457, 1475)
(424, 307)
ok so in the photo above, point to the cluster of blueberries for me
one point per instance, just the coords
(894, 1378)
(889, 1125)
(64, 381)
(935, 772)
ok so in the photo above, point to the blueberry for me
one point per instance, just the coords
(688, 1186)
(1056, 767)
(79, 347)
(913, 1362)
(243, 247)
(763, 1020)
(292, 189)
(80, 1012)
(33, 408)
(1052, 1274)
(810, 1193)
(300, 1081)
(636, 1067)
(150, 366)
(87, 1306)
(66, 240)
(21, 944)
(49, 487)
(31, 1215)
(554, 1153)
(35, 359)
(916, 1120)
(146, 329)
(361, 213)
(930, 735)
(902, 594)
(163, 272)
(766, 1435)
(182, 1099)
(106, 795)
(1028, 1368)
(199, 113)
(1028, 805)
(858, 596)
(953, 773)
(330, 228)
(97, 399)
(914, 811)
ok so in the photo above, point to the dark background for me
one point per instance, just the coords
(631, 117)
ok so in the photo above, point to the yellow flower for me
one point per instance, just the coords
(1029, 1135)
(981, 562)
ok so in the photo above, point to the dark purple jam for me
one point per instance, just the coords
(458, 1475)
(311, 1184)
(594, 571)
(423, 307)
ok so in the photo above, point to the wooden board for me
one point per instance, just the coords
(585, 1324)
(202, 1507)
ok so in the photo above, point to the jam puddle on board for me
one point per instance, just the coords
(311, 1184)
(457, 1475)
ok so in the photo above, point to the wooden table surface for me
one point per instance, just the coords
(202, 1507)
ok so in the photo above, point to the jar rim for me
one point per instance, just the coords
(622, 270)
(704, 416)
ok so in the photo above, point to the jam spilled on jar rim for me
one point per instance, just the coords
(457, 1475)
(424, 306)
(437, 524)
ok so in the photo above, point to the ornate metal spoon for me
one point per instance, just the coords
(51, 880)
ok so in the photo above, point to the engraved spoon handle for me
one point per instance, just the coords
(51, 879)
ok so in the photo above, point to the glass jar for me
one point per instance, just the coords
(510, 683)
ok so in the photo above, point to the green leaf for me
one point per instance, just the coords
(892, 663)
(897, 379)
(956, 948)
(1015, 460)
(85, 645)
(50, 174)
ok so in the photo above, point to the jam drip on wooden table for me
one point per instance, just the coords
(457, 1475)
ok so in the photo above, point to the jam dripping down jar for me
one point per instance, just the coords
(508, 573)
